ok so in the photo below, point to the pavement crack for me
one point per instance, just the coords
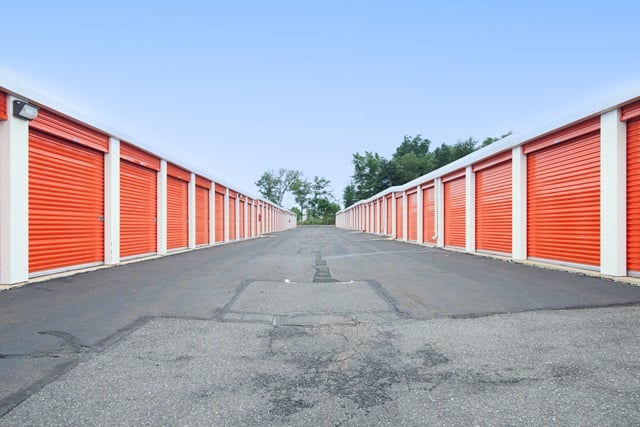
(70, 340)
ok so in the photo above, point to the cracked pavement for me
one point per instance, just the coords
(298, 329)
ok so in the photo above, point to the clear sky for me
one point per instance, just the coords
(235, 88)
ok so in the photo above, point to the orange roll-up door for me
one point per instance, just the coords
(203, 188)
(232, 215)
(3, 106)
(412, 229)
(494, 205)
(563, 200)
(389, 214)
(138, 210)
(633, 195)
(454, 210)
(242, 218)
(177, 207)
(399, 217)
(138, 202)
(428, 215)
(220, 213)
(66, 203)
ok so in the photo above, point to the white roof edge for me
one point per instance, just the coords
(614, 101)
(19, 87)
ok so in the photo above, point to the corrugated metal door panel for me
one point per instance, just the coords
(177, 213)
(202, 215)
(563, 202)
(64, 128)
(633, 195)
(494, 208)
(428, 215)
(66, 204)
(178, 172)
(139, 157)
(376, 211)
(203, 182)
(241, 225)
(630, 111)
(251, 216)
(219, 216)
(399, 219)
(232, 217)
(3, 106)
(138, 210)
(412, 230)
(389, 214)
(580, 129)
(454, 213)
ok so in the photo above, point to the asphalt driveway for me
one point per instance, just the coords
(320, 326)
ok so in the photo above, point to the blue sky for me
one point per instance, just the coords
(238, 87)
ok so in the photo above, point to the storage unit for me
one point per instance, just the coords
(428, 214)
(203, 189)
(389, 214)
(412, 215)
(633, 195)
(242, 217)
(563, 195)
(233, 196)
(177, 207)
(494, 204)
(138, 202)
(3, 106)
(219, 213)
(250, 218)
(66, 194)
(454, 209)
(399, 216)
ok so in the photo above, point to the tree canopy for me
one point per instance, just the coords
(314, 197)
(373, 173)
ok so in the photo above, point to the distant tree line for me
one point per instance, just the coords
(314, 197)
(412, 159)
(372, 174)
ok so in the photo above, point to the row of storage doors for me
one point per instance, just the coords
(562, 196)
(66, 199)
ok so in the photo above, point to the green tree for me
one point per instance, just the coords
(326, 210)
(298, 213)
(374, 173)
(274, 184)
(301, 188)
(319, 189)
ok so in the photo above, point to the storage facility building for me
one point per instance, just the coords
(76, 194)
(569, 195)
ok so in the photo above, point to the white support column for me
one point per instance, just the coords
(439, 202)
(14, 199)
(192, 211)
(112, 203)
(226, 215)
(162, 208)
(519, 204)
(393, 216)
(419, 211)
(470, 209)
(613, 194)
(212, 214)
(405, 216)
